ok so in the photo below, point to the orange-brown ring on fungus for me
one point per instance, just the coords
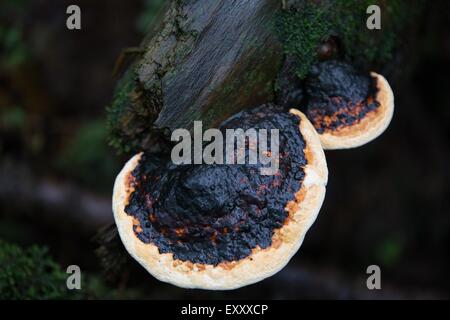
(261, 263)
(364, 129)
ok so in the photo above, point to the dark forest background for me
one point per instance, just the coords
(387, 203)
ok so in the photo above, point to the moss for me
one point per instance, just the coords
(303, 28)
(12, 44)
(13, 47)
(117, 110)
(30, 274)
(136, 104)
(301, 31)
(131, 113)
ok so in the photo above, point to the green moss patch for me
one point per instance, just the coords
(303, 28)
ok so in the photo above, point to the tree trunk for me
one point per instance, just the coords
(206, 60)
(220, 57)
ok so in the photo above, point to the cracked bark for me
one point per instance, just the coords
(205, 60)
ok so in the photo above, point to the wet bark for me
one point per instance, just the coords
(221, 57)
(205, 60)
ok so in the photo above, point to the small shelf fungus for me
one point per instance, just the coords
(223, 226)
(216, 225)
(346, 108)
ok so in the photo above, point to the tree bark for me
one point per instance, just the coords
(217, 58)
(206, 60)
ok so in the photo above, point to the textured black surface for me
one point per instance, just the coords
(336, 91)
(215, 213)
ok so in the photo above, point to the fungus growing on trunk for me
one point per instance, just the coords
(346, 108)
(223, 226)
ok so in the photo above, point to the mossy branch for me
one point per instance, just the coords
(208, 60)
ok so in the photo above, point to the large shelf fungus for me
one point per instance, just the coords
(223, 226)
(346, 108)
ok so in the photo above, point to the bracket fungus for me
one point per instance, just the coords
(223, 226)
(346, 108)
